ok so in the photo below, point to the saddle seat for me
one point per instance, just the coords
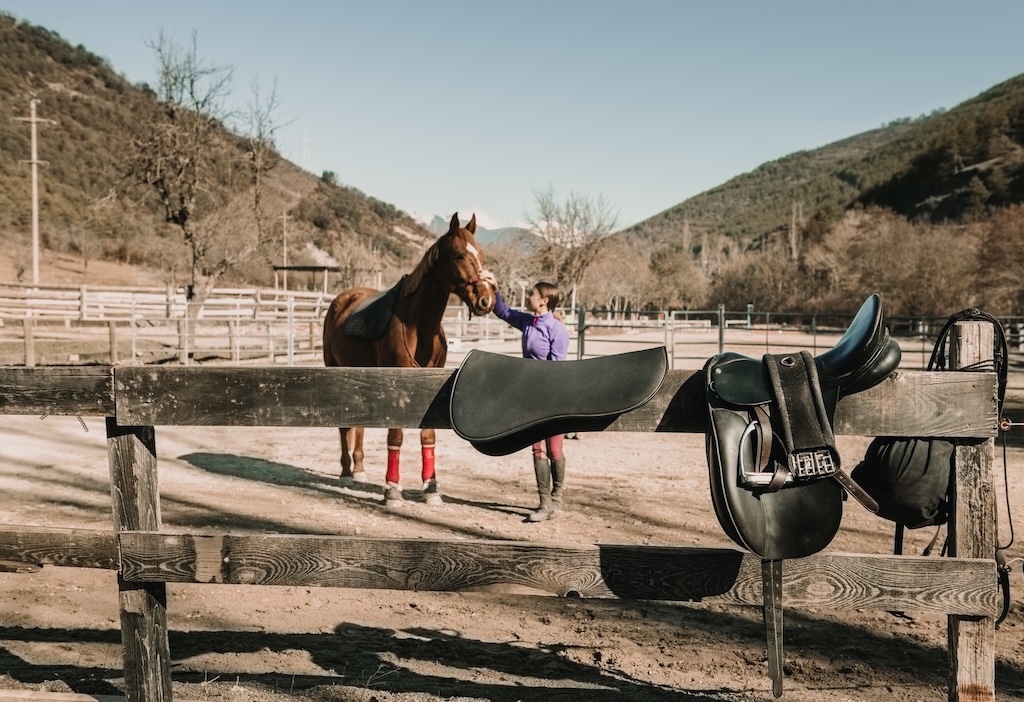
(501, 404)
(863, 357)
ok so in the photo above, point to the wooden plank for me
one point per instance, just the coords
(143, 606)
(80, 390)
(908, 403)
(37, 696)
(74, 548)
(972, 532)
(833, 581)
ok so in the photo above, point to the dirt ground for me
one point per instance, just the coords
(59, 627)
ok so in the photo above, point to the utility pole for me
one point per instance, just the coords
(284, 246)
(33, 121)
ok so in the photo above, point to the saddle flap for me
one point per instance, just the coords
(793, 522)
(737, 379)
(503, 403)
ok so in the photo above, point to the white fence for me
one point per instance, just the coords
(62, 325)
(97, 303)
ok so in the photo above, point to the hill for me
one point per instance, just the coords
(90, 209)
(940, 194)
(952, 165)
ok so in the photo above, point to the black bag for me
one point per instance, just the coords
(909, 477)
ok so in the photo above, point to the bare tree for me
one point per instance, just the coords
(183, 155)
(573, 233)
(260, 127)
(510, 264)
(619, 278)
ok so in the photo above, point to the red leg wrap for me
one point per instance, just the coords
(392, 474)
(428, 462)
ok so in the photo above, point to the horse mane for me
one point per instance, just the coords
(426, 264)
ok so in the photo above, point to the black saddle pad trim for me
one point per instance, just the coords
(503, 403)
(370, 320)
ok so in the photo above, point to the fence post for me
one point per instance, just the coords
(233, 340)
(113, 341)
(972, 531)
(670, 337)
(721, 328)
(82, 302)
(133, 332)
(143, 606)
(581, 314)
(30, 343)
(183, 338)
(291, 331)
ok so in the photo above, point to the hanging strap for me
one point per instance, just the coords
(771, 588)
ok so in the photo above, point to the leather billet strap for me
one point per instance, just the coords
(771, 587)
(802, 422)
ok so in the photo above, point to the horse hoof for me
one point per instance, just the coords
(350, 480)
(393, 496)
(431, 493)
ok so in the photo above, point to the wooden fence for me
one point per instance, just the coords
(135, 399)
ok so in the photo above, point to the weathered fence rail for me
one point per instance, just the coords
(136, 399)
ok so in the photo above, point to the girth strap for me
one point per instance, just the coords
(804, 424)
(802, 420)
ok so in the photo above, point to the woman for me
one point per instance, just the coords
(544, 338)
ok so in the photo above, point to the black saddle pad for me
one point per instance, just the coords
(502, 404)
(370, 319)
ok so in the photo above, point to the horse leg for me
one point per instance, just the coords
(352, 470)
(431, 493)
(392, 480)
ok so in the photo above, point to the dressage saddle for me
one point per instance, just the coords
(501, 404)
(777, 484)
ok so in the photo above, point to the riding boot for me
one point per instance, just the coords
(557, 483)
(542, 471)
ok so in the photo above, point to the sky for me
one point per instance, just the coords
(443, 106)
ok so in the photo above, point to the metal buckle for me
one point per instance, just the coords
(809, 465)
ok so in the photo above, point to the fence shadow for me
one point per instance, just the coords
(395, 660)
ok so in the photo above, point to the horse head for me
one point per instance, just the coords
(461, 261)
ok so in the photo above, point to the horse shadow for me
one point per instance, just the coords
(289, 476)
(360, 494)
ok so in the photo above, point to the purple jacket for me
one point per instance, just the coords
(544, 337)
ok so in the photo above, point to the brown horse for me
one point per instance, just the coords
(412, 337)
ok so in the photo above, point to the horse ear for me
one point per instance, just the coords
(453, 226)
(471, 227)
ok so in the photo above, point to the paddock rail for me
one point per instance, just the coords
(135, 399)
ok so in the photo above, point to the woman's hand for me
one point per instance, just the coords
(488, 277)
